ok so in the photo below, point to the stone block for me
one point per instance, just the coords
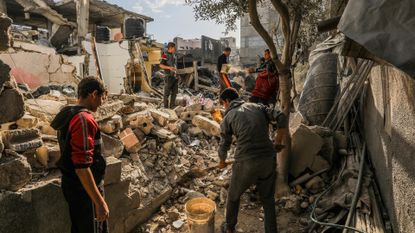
(194, 131)
(111, 146)
(305, 146)
(112, 125)
(194, 107)
(27, 121)
(134, 107)
(188, 116)
(21, 140)
(315, 185)
(42, 155)
(163, 133)
(141, 120)
(160, 117)
(11, 105)
(177, 127)
(319, 164)
(138, 216)
(108, 110)
(172, 114)
(179, 110)
(54, 154)
(15, 171)
(208, 126)
(46, 129)
(44, 109)
(112, 171)
(130, 141)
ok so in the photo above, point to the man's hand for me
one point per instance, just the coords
(101, 212)
(222, 164)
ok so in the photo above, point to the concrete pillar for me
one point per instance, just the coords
(3, 7)
(82, 19)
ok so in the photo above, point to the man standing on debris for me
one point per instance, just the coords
(255, 161)
(223, 77)
(267, 82)
(82, 164)
(171, 84)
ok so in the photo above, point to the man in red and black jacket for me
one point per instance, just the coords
(82, 164)
(171, 84)
(267, 82)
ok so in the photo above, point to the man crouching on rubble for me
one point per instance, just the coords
(81, 163)
(254, 156)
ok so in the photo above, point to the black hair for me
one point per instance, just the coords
(171, 45)
(89, 85)
(227, 49)
(229, 94)
(267, 51)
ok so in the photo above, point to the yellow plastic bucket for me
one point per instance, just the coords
(200, 214)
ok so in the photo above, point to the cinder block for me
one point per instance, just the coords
(130, 141)
(113, 171)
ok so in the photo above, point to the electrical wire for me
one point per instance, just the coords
(313, 214)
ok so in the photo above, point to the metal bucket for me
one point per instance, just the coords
(200, 214)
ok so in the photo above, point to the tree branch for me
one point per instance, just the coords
(256, 23)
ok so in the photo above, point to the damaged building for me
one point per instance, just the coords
(352, 128)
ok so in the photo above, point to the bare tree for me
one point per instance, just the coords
(291, 14)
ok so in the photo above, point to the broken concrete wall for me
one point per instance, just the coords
(389, 119)
(36, 69)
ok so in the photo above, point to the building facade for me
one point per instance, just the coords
(252, 45)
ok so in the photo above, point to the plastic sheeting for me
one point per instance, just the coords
(386, 28)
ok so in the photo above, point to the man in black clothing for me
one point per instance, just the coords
(168, 64)
(255, 161)
(223, 59)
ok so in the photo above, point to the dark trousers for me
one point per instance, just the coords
(258, 171)
(171, 87)
(81, 209)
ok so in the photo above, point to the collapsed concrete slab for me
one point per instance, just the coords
(111, 146)
(15, 171)
(27, 121)
(208, 126)
(112, 171)
(21, 140)
(108, 110)
(43, 109)
(11, 105)
(305, 146)
(163, 133)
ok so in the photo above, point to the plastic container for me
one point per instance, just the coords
(200, 214)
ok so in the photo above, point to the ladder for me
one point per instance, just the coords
(141, 62)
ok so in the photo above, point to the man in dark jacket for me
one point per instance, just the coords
(82, 164)
(168, 64)
(255, 161)
(223, 77)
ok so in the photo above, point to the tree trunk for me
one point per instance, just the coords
(285, 89)
(283, 158)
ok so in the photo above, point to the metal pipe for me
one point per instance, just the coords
(357, 191)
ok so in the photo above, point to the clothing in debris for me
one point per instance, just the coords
(80, 143)
(171, 82)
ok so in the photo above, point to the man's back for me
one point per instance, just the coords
(249, 123)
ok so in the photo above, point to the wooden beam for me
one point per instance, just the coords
(196, 75)
(82, 19)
